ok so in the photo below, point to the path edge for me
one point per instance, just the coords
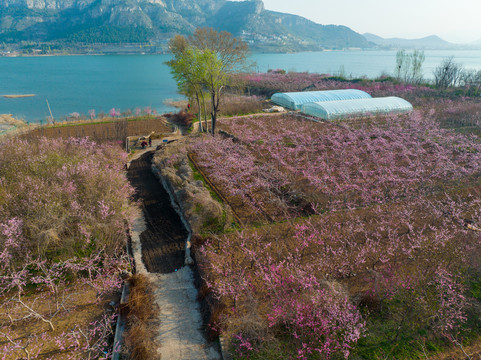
(188, 259)
(178, 209)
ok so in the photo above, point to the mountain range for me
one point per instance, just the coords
(67, 23)
(141, 21)
(428, 42)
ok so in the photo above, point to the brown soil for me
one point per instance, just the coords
(164, 240)
(82, 309)
(104, 130)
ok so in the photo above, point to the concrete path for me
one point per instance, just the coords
(180, 332)
(180, 335)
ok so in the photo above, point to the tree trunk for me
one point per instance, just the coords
(213, 113)
(205, 115)
(200, 113)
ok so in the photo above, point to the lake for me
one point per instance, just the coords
(81, 83)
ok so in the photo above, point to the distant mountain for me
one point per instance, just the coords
(475, 43)
(263, 28)
(141, 21)
(101, 20)
(429, 42)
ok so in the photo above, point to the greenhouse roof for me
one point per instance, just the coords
(295, 100)
(358, 107)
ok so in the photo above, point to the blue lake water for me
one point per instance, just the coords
(80, 83)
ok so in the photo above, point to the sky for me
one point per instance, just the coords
(457, 21)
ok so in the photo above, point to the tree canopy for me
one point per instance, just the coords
(201, 64)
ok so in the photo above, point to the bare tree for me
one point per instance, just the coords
(470, 78)
(409, 66)
(400, 63)
(448, 73)
(417, 60)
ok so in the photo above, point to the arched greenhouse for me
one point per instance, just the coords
(331, 110)
(295, 100)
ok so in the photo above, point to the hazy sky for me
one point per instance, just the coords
(453, 20)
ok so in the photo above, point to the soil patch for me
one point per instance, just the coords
(104, 130)
(164, 240)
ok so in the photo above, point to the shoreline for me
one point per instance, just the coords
(10, 125)
(8, 119)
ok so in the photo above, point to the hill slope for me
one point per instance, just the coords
(263, 28)
(137, 21)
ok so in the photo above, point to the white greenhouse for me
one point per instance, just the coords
(295, 100)
(331, 110)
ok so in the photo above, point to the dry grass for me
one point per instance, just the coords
(142, 318)
(35, 335)
(240, 104)
(182, 119)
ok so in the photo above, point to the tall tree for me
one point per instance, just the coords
(417, 60)
(447, 74)
(223, 55)
(203, 62)
(188, 72)
(409, 66)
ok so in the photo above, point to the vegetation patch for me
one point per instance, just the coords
(366, 251)
(110, 130)
(203, 210)
(64, 209)
(142, 314)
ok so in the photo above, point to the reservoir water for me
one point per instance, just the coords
(81, 83)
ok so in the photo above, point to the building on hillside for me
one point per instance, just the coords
(332, 110)
(295, 100)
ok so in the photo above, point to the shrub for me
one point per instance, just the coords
(70, 195)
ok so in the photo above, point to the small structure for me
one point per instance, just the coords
(275, 109)
(331, 110)
(132, 141)
(295, 100)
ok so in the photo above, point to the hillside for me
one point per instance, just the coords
(264, 28)
(154, 21)
(428, 42)
(101, 20)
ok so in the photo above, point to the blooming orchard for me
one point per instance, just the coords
(284, 159)
(392, 203)
(63, 210)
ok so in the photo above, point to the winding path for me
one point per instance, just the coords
(162, 240)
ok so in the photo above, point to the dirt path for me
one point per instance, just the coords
(162, 242)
